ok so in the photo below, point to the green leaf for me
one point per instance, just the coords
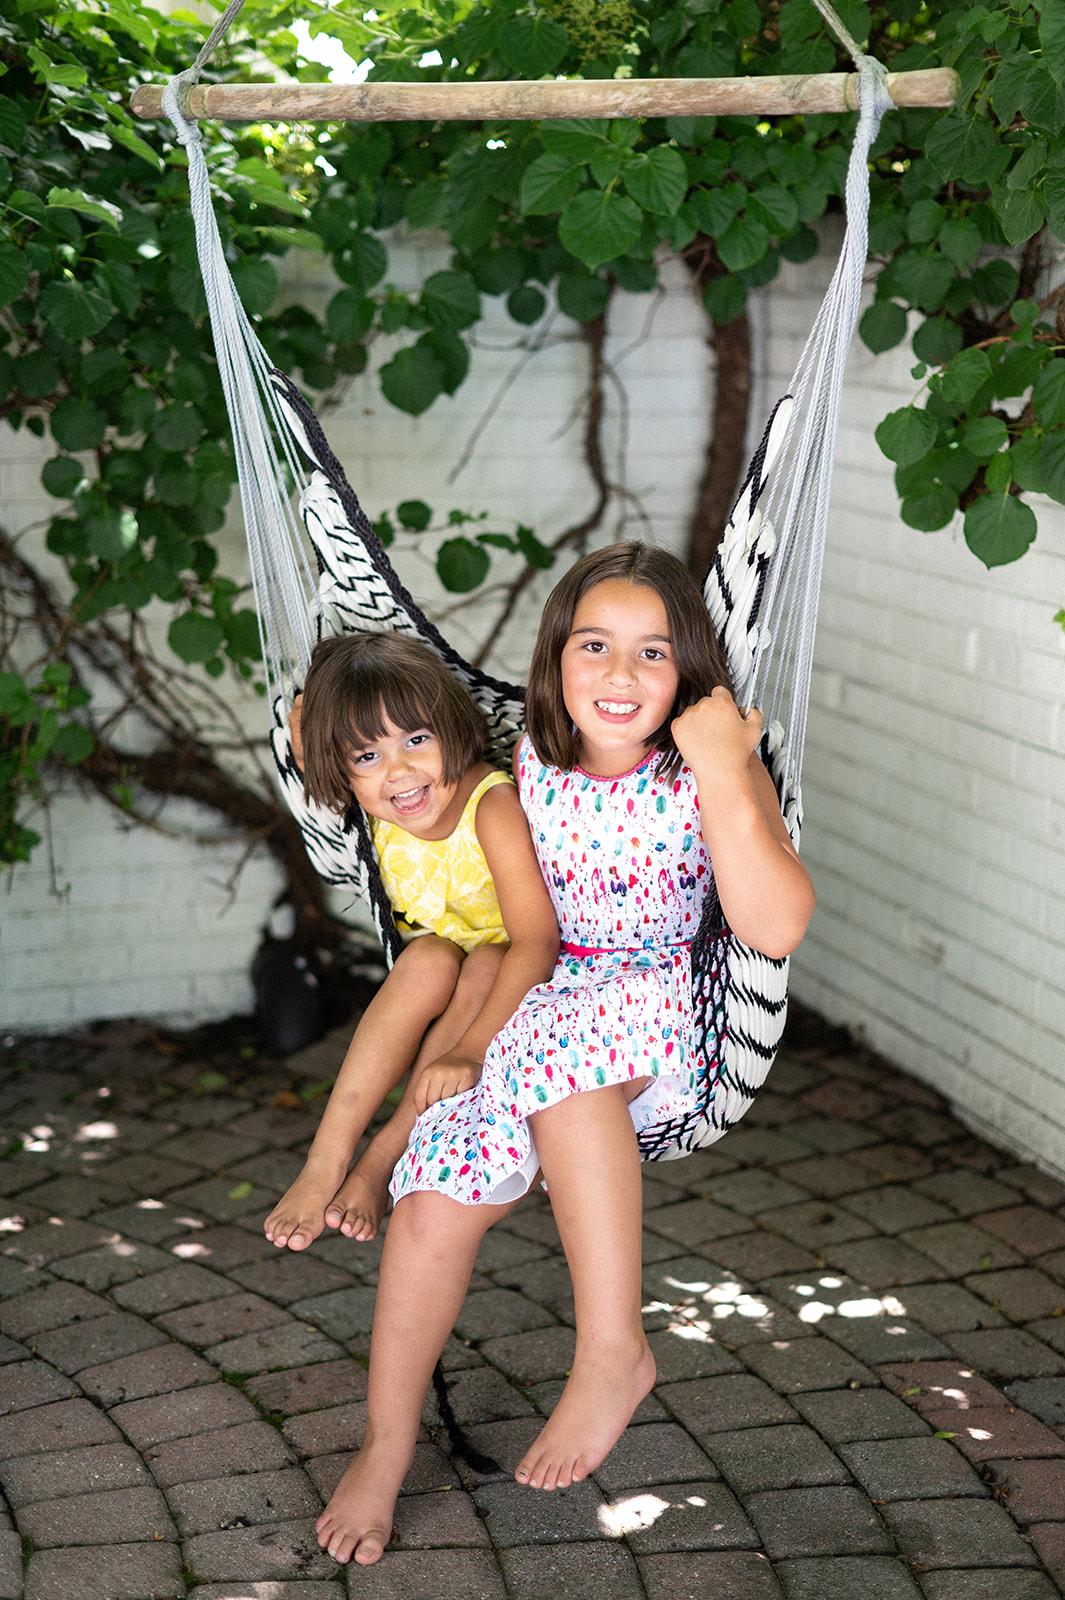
(1048, 394)
(906, 435)
(177, 427)
(984, 436)
(595, 227)
(930, 511)
(966, 375)
(776, 208)
(194, 637)
(461, 565)
(536, 554)
(725, 299)
(1052, 37)
(74, 310)
(577, 140)
(581, 298)
(532, 45)
(74, 743)
(257, 284)
(77, 200)
(61, 476)
(362, 261)
(78, 425)
(240, 1191)
(883, 326)
(999, 528)
(921, 279)
(126, 136)
(452, 354)
(742, 244)
(412, 379)
(658, 180)
(960, 240)
(451, 300)
(1021, 213)
(995, 282)
(14, 273)
(526, 305)
(937, 340)
(963, 146)
(415, 515)
(112, 534)
(264, 194)
(547, 183)
(349, 316)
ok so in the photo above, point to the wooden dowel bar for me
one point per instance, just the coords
(535, 101)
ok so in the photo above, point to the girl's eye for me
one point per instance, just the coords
(362, 758)
(417, 739)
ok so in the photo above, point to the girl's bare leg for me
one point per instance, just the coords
(416, 992)
(429, 1252)
(360, 1202)
(588, 1153)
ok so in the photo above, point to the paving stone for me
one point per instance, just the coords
(774, 1458)
(759, 1255)
(682, 1352)
(911, 1469)
(1029, 1229)
(693, 1222)
(831, 1135)
(32, 1383)
(49, 1241)
(751, 1146)
(690, 1516)
(118, 1261)
(1035, 1490)
(827, 1176)
(52, 1307)
(319, 1433)
(247, 1447)
(533, 1357)
(268, 1550)
(90, 1344)
(884, 1338)
(917, 1126)
(1001, 1584)
(289, 1276)
(691, 1169)
(341, 1314)
(64, 1425)
(656, 1191)
(578, 1571)
(10, 1565)
(278, 1126)
(816, 1223)
(11, 1350)
(847, 1578)
(724, 1574)
(161, 1370)
(481, 1395)
(223, 1199)
(430, 1471)
(294, 1345)
(1043, 1397)
(1007, 1353)
(300, 1389)
(270, 1591)
(110, 1572)
(207, 1149)
(75, 1471)
(947, 1533)
(446, 1518)
(150, 1173)
(961, 1247)
(171, 1289)
(719, 1405)
(1049, 1541)
(752, 1191)
(113, 1516)
(984, 1435)
(894, 1163)
(948, 1308)
(894, 1207)
(174, 1416)
(18, 1277)
(965, 1192)
(501, 1251)
(937, 1385)
(501, 1443)
(153, 1221)
(814, 1363)
(846, 1416)
(1023, 1293)
(71, 1195)
(1039, 1186)
(496, 1312)
(836, 1099)
(548, 1282)
(756, 1318)
(818, 1522)
(224, 1247)
(516, 1515)
(533, 1222)
(427, 1575)
(655, 1453)
(769, 1110)
(216, 1320)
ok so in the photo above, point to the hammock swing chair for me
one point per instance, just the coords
(761, 591)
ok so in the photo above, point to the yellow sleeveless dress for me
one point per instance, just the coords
(442, 886)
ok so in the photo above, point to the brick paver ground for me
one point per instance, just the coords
(857, 1310)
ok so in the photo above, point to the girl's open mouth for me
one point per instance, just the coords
(411, 800)
(616, 710)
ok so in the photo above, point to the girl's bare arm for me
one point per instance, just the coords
(766, 893)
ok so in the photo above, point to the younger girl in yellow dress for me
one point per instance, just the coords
(384, 720)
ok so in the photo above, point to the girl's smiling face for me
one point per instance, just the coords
(399, 777)
(619, 678)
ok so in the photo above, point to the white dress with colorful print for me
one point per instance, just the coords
(627, 871)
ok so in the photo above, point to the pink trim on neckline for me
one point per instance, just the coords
(600, 777)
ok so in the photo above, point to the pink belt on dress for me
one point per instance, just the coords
(568, 949)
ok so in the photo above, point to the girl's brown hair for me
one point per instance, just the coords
(358, 680)
(697, 652)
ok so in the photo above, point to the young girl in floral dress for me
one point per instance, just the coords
(642, 784)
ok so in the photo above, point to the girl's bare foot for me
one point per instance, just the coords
(596, 1406)
(299, 1216)
(358, 1205)
(356, 1525)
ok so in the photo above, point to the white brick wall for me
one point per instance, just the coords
(935, 804)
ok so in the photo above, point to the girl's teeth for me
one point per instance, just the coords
(615, 708)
